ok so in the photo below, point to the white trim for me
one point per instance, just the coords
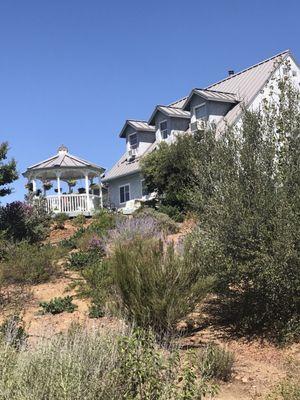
(199, 106)
(125, 184)
(128, 140)
(161, 122)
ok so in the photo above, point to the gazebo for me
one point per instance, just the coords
(64, 168)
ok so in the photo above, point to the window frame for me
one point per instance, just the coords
(200, 106)
(123, 186)
(137, 141)
(165, 130)
(142, 185)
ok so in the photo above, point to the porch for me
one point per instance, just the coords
(73, 204)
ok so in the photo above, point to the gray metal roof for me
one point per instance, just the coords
(173, 112)
(137, 125)
(63, 159)
(211, 95)
(244, 86)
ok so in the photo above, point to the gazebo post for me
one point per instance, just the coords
(58, 190)
(33, 181)
(100, 191)
(87, 190)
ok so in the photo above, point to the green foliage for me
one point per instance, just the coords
(98, 366)
(60, 220)
(24, 221)
(164, 222)
(216, 363)
(154, 287)
(172, 211)
(79, 221)
(58, 305)
(8, 171)
(12, 332)
(29, 263)
(82, 259)
(102, 221)
(95, 311)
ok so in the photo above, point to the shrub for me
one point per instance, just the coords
(22, 221)
(154, 287)
(12, 332)
(162, 220)
(102, 221)
(216, 363)
(58, 305)
(288, 389)
(95, 311)
(79, 221)
(172, 211)
(98, 366)
(30, 263)
(60, 220)
(83, 259)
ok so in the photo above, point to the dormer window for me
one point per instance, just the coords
(133, 141)
(163, 127)
(200, 111)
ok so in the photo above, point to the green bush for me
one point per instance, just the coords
(82, 259)
(58, 305)
(163, 221)
(95, 311)
(102, 221)
(172, 211)
(30, 263)
(59, 220)
(98, 366)
(152, 286)
(79, 221)
(12, 332)
(216, 363)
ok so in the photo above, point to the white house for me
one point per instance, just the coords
(220, 103)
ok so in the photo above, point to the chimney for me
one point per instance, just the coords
(230, 72)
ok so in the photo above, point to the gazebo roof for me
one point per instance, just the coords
(68, 165)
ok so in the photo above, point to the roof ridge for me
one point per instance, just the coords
(177, 101)
(214, 91)
(137, 120)
(247, 69)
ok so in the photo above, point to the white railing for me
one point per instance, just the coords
(73, 203)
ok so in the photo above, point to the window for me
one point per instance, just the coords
(124, 193)
(145, 191)
(200, 111)
(133, 141)
(163, 127)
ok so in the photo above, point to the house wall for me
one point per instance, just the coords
(135, 182)
(144, 139)
(174, 125)
(215, 109)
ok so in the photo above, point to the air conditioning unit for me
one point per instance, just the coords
(199, 125)
(132, 153)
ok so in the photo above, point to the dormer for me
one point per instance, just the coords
(209, 105)
(139, 136)
(168, 121)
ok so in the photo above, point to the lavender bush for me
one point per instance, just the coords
(23, 221)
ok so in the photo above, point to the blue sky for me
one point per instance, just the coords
(73, 71)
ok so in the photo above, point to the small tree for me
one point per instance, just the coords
(8, 172)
